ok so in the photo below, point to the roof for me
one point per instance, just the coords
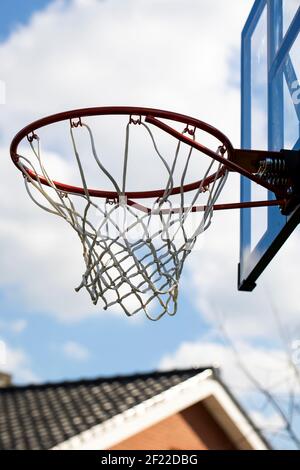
(42, 416)
(76, 414)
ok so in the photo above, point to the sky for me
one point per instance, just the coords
(169, 54)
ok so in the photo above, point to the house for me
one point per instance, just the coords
(174, 410)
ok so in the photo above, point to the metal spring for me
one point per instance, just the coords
(274, 172)
(273, 166)
(276, 180)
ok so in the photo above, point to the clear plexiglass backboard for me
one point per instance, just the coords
(270, 88)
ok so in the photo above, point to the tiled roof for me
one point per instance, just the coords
(42, 416)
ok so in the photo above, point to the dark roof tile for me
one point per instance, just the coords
(42, 416)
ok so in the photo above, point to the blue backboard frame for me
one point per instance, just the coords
(280, 68)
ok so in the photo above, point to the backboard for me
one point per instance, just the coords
(270, 121)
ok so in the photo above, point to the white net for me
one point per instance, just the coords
(134, 254)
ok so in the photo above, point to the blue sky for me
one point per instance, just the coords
(115, 345)
(85, 53)
(16, 12)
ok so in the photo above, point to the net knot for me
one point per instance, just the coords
(189, 130)
(75, 123)
(135, 121)
(31, 137)
(222, 149)
(111, 201)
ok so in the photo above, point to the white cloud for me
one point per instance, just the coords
(160, 54)
(267, 365)
(17, 363)
(75, 351)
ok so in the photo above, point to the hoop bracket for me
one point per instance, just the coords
(280, 170)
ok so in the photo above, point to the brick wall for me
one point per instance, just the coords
(191, 429)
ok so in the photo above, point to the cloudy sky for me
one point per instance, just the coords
(170, 54)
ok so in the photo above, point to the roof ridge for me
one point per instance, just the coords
(110, 378)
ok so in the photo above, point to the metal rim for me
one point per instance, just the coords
(151, 116)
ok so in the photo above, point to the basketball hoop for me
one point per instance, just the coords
(127, 262)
